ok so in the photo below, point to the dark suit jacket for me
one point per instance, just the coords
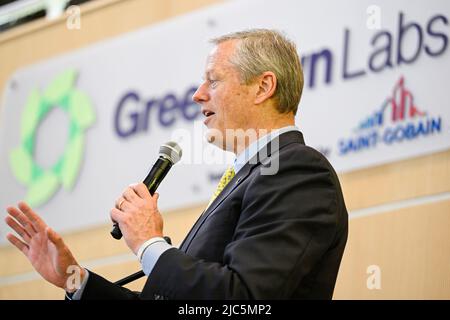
(266, 236)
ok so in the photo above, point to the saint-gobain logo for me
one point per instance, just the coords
(398, 120)
(42, 183)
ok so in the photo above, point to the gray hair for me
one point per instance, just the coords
(261, 50)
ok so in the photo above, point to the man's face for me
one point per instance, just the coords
(226, 103)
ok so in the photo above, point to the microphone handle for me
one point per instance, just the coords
(157, 174)
(152, 181)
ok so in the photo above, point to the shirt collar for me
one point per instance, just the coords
(257, 145)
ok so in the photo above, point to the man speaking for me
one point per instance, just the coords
(275, 228)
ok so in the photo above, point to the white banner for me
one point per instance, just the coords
(75, 130)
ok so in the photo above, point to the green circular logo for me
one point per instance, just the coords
(43, 183)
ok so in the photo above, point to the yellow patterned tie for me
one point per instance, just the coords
(226, 178)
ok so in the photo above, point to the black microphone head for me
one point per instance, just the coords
(171, 151)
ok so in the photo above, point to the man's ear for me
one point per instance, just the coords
(267, 84)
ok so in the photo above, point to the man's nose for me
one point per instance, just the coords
(201, 95)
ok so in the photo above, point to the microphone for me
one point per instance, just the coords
(169, 154)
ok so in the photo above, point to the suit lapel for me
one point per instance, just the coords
(263, 156)
(237, 179)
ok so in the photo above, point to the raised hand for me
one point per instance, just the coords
(43, 247)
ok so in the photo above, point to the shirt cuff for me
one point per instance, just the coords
(77, 294)
(145, 245)
(151, 254)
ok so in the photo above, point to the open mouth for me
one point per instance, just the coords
(207, 113)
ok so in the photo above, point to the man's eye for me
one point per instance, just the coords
(212, 83)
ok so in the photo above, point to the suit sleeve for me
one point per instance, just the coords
(98, 288)
(287, 223)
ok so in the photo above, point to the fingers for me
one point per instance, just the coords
(128, 199)
(18, 243)
(22, 219)
(155, 198)
(55, 238)
(38, 223)
(116, 215)
(141, 190)
(122, 204)
(130, 195)
(18, 229)
(135, 196)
